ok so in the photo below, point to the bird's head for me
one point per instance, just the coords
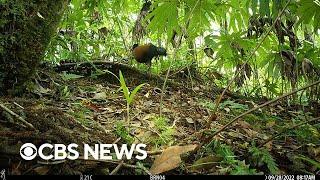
(162, 51)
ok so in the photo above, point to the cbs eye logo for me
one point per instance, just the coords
(28, 151)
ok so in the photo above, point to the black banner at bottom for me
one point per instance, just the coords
(163, 177)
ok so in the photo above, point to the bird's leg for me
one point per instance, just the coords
(149, 69)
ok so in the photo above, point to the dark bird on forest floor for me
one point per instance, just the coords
(145, 53)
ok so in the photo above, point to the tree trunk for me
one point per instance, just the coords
(26, 28)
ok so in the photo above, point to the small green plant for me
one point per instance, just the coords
(235, 166)
(142, 169)
(65, 92)
(123, 133)
(242, 169)
(207, 104)
(165, 131)
(226, 152)
(307, 133)
(311, 161)
(127, 94)
(263, 157)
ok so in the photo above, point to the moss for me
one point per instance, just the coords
(26, 28)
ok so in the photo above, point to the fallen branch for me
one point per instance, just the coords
(54, 162)
(17, 116)
(261, 106)
(288, 129)
(117, 168)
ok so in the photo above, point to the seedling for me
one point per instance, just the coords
(129, 96)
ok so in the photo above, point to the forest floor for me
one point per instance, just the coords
(73, 109)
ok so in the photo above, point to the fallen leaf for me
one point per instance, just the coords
(100, 96)
(235, 134)
(250, 132)
(108, 110)
(190, 120)
(281, 108)
(244, 124)
(147, 95)
(39, 15)
(170, 158)
(148, 116)
(196, 89)
(206, 163)
(268, 146)
(42, 170)
(165, 110)
(91, 106)
(313, 151)
(147, 104)
(41, 90)
(118, 111)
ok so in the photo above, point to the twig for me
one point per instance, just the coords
(122, 36)
(164, 85)
(144, 168)
(116, 141)
(287, 129)
(116, 162)
(263, 105)
(17, 116)
(18, 105)
(151, 153)
(137, 167)
(52, 162)
(117, 168)
(213, 115)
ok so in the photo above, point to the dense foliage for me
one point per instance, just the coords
(278, 53)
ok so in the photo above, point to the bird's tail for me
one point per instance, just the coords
(161, 51)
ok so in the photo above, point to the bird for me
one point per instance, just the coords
(145, 53)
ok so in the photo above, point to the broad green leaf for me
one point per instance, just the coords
(264, 9)
(124, 87)
(134, 92)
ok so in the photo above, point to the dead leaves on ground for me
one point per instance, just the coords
(170, 158)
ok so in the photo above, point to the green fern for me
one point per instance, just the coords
(122, 131)
(242, 169)
(262, 156)
(311, 161)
